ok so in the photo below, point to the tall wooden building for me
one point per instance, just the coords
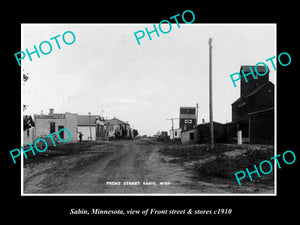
(253, 111)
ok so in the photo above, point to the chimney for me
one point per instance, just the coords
(51, 112)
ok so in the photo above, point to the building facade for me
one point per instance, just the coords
(117, 129)
(53, 122)
(252, 114)
(255, 102)
(187, 118)
(175, 133)
(28, 136)
(204, 132)
(201, 134)
(261, 126)
(190, 136)
(28, 130)
(91, 127)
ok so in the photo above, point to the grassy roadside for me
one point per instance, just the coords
(60, 150)
(222, 162)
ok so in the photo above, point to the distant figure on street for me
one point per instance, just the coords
(80, 137)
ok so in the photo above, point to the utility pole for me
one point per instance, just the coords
(90, 126)
(210, 97)
(172, 119)
(197, 106)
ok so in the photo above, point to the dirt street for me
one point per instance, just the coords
(115, 167)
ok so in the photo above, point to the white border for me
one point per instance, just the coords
(156, 194)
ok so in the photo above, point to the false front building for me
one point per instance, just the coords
(46, 124)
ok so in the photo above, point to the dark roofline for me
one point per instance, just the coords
(121, 122)
(187, 107)
(189, 130)
(208, 123)
(237, 121)
(54, 116)
(83, 120)
(236, 101)
(255, 91)
(246, 69)
(261, 111)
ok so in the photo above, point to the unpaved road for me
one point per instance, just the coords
(121, 167)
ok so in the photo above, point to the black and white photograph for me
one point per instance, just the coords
(171, 108)
(151, 112)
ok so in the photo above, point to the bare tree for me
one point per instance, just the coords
(25, 79)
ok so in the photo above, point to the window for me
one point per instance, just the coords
(175, 133)
(192, 136)
(52, 127)
(62, 133)
(188, 121)
(27, 132)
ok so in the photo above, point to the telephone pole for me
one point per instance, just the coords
(172, 119)
(197, 106)
(210, 97)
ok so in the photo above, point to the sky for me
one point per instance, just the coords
(145, 84)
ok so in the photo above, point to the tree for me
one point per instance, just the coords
(25, 78)
(135, 133)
